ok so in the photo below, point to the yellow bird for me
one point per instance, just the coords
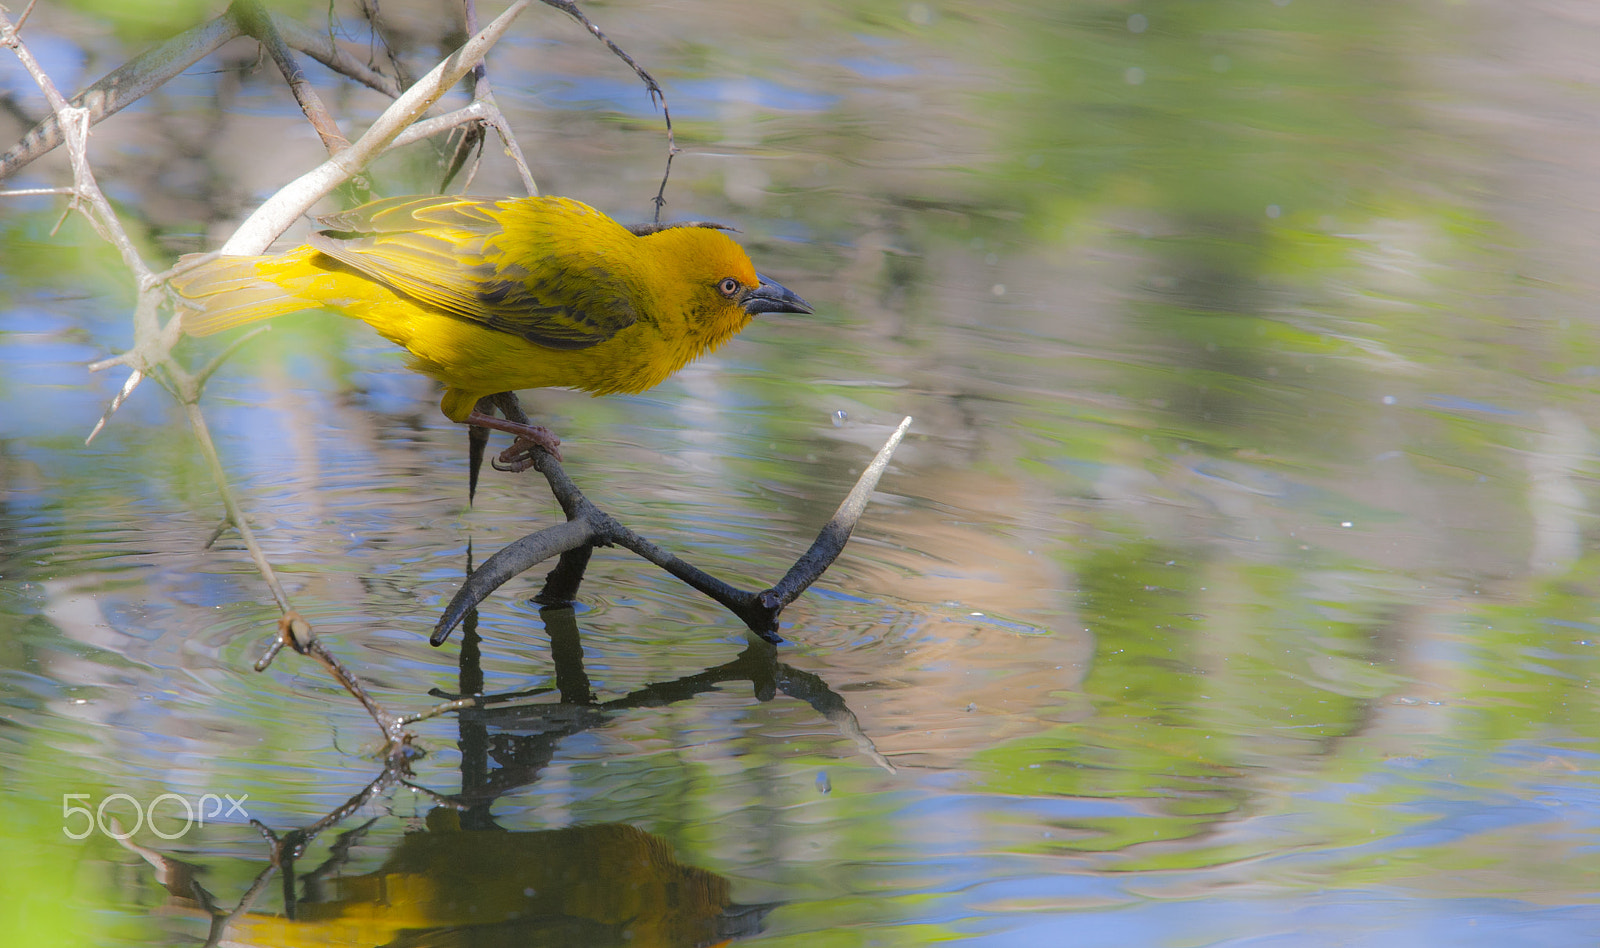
(494, 295)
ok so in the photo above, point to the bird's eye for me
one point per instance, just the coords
(728, 286)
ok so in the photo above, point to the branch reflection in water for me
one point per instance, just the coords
(466, 880)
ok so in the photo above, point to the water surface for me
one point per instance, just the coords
(1230, 589)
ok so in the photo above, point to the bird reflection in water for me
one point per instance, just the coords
(463, 880)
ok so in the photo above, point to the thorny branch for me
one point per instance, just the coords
(484, 105)
(153, 68)
(294, 199)
(73, 123)
(151, 355)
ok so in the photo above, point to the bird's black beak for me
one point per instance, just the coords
(772, 297)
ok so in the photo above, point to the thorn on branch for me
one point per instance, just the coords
(216, 534)
(134, 378)
(32, 192)
(23, 19)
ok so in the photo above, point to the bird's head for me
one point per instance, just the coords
(713, 278)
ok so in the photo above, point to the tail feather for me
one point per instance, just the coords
(229, 292)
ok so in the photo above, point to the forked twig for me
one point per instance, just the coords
(588, 525)
(296, 633)
(489, 110)
(286, 206)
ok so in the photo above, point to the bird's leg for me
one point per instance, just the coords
(529, 437)
(520, 456)
(506, 403)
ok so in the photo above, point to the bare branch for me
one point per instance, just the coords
(480, 111)
(482, 93)
(124, 358)
(509, 562)
(261, 26)
(369, 9)
(273, 648)
(230, 503)
(497, 120)
(322, 48)
(73, 124)
(123, 86)
(735, 600)
(294, 199)
(295, 632)
(427, 128)
(836, 532)
(147, 354)
(134, 378)
(30, 192)
(588, 524)
(204, 375)
(436, 710)
(23, 20)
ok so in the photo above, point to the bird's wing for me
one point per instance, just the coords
(450, 253)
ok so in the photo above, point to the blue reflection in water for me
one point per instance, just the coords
(688, 98)
(876, 67)
(1349, 919)
(1457, 403)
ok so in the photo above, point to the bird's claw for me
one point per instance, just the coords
(524, 451)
